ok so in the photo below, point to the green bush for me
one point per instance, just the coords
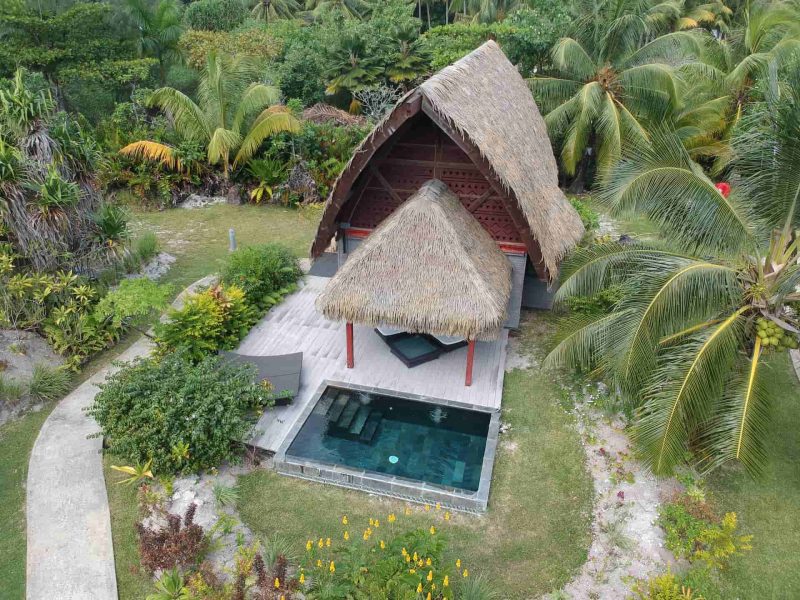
(601, 303)
(146, 247)
(266, 273)
(216, 15)
(48, 383)
(588, 216)
(213, 320)
(663, 587)
(10, 389)
(183, 415)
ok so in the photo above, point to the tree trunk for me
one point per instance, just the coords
(578, 185)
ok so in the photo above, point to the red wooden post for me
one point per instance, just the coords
(470, 359)
(350, 358)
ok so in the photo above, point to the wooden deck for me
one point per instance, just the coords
(296, 326)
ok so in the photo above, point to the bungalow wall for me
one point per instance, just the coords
(418, 152)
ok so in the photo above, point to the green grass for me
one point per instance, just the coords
(16, 442)
(536, 532)
(132, 583)
(768, 508)
(199, 238)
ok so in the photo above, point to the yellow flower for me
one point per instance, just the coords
(309, 545)
(419, 588)
(344, 520)
(404, 551)
(412, 571)
(433, 586)
(427, 508)
(428, 562)
(332, 568)
(328, 542)
(428, 597)
(371, 522)
(377, 523)
(458, 563)
(302, 577)
(446, 581)
(446, 515)
(408, 510)
(383, 545)
(430, 576)
(282, 597)
(408, 558)
(466, 573)
(277, 583)
(416, 557)
(438, 506)
(346, 535)
(366, 536)
(392, 518)
(319, 563)
(321, 543)
(421, 563)
(433, 530)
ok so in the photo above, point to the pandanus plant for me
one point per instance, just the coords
(235, 114)
(688, 344)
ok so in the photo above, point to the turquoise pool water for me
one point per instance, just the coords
(395, 436)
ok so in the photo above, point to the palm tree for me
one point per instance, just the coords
(358, 9)
(352, 67)
(605, 95)
(159, 27)
(275, 9)
(234, 115)
(745, 64)
(408, 63)
(687, 344)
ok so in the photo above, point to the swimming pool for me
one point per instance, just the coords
(396, 442)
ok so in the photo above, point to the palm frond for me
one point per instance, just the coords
(189, 119)
(570, 58)
(581, 341)
(223, 143)
(271, 121)
(551, 92)
(574, 146)
(661, 180)
(682, 392)
(676, 47)
(740, 422)
(255, 98)
(154, 151)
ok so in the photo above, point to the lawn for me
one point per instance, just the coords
(536, 532)
(769, 508)
(199, 238)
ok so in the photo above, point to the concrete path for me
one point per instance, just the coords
(70, 551)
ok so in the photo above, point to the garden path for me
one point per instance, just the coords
(70, 552)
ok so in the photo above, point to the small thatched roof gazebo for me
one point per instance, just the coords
(430, 268)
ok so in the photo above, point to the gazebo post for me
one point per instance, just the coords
(350, 357)
(470, 359)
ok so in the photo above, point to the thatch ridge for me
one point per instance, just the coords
(428, 267)
(484, 97)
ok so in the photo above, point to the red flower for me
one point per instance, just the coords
(724, 188)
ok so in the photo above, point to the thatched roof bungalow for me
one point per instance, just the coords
(452, 195)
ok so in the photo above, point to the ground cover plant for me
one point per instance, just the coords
(175, 414)
(264, 273)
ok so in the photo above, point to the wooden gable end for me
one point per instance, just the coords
(419, 152)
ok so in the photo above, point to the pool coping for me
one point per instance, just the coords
(403, 488)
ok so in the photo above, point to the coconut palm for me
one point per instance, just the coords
(687, 344)
(358, 9)
(275, 9)
(233, 117)
(159, 27)
(352, 68)
(603, 99)
(745, 64)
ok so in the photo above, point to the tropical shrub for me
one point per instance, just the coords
(215, 15)
(663, 587)
(213, 320)
(183, 415)
(588, 216)
(179, 543)
(265, 273)
(48, 383)
(597, 304)
(256, 42)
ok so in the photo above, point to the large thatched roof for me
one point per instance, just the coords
(483, 98)
(428, 267)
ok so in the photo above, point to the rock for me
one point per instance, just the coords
(234, 195)
(198, 201)
(156, 268)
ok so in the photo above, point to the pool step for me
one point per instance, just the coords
(359, 420)
(335, 411)
(348, 413)
(371, 426)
